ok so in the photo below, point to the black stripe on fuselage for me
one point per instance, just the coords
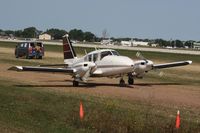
(107, 66)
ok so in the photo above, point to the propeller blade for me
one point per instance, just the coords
(159, 73)
(140, 56)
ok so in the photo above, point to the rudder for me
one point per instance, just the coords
(68, 49)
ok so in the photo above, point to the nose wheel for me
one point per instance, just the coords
(130, 80)
(121, 83)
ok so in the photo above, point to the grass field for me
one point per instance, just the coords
(25, 108)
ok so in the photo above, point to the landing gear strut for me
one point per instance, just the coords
(121, 82)
(130, 80)
(75, 83)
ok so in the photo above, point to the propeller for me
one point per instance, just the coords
(157, 71)
(140, 56)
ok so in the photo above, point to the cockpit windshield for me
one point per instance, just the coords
(115, 53)
(105, 53)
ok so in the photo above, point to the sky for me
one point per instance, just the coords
(166, 19)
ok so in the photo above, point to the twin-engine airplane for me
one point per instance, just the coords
(99, 63)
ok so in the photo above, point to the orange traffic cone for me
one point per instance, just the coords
(81, 111)
(178, 120)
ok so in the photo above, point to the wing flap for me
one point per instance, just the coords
(173, 64)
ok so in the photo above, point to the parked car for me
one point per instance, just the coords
(29, 50)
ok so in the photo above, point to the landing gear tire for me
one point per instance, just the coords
(75, 83)
(121, 83)
(130, 80)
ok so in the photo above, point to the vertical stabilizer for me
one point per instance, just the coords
(68, 49)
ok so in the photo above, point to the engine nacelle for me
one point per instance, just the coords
(142, 67)
(83, 67)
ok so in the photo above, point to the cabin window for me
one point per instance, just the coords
(39, 44)
(25, 45)
(32, 45)
(22, 45)
(89, 57)
(95, 57)
(106, 53)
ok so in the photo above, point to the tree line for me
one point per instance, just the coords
(79, 35)
(32, 32)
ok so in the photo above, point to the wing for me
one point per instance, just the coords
(54, 65)
(42, 69)
(173, 64)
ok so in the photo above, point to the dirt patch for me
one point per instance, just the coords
(169, 94)
(155, 93)
(7, 50)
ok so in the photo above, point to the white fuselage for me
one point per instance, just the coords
(111, 65)
(114, 66)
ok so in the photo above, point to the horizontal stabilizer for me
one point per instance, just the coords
(173, 64)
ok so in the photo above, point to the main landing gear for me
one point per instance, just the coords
(130, 80)
(122, 82)
(75, 83)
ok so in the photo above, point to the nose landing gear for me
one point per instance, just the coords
(130, 80)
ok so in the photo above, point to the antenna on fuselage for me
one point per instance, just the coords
(85, 51)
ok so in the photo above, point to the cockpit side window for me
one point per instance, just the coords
(115, 53)
(90, 57)
(95, 57)
(105, 53)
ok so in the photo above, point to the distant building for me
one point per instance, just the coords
(133, 43)
(45, 37)
(196, 45)
(107, 42)
(127, 43)
(154, 45)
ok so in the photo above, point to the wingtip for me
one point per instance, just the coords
(16, 68)
(190, 62)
